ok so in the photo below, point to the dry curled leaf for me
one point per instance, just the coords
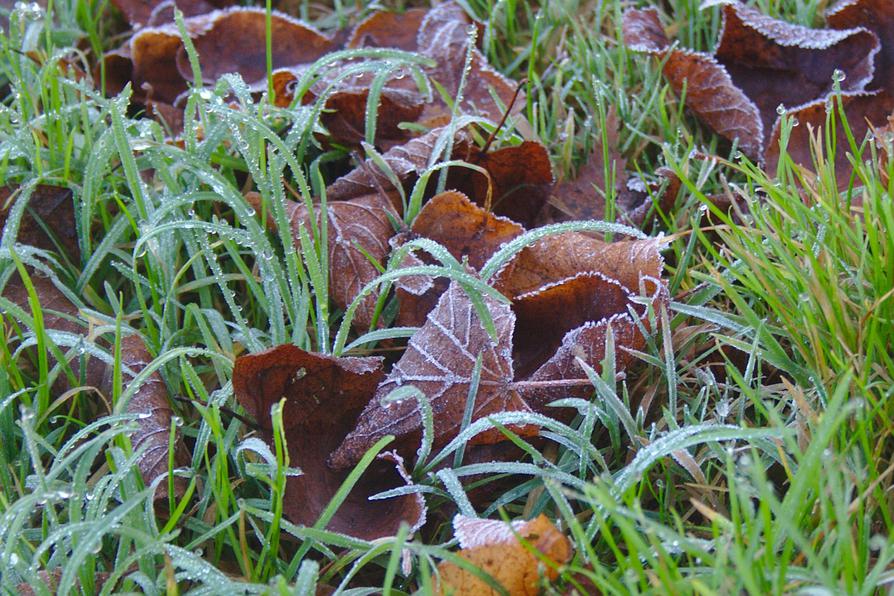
(760, 63)
(495, 547)
(466, 231)
(388, 30)
(518, 182)
(407, 162)
(439, 361)
(864, 110)
(357, 230)
(235, 41)
(444, 36)
(156, 12)
(226, 41)
(346, 102)
(323, 396)
(568, 290)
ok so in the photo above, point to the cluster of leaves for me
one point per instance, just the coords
(765, 69)
(445, 244)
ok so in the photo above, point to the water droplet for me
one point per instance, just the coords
(838, 75)
(780, 109)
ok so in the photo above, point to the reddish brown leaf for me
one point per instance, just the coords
(864, 111)
(494, 547)
(407, 162)
(150, 401)
(549, 346)
(345, 109)
(760, 63)
(878, 17)
(466, 231)
(388, 30)
(235, 41)
(710, 91)
(323, 396)
(356, 228)
(560, 256)
(444, 37)
(520, 180)
(48, 222)
(463, 228)
(567, 290)
(439, 362)
(156, 12)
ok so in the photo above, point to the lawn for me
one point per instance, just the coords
(486, 260)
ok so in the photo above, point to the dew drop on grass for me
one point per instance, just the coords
(838, 75)
(780, 109)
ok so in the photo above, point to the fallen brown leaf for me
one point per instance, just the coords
(439, 361)
(760, 63)
(568, 290)
(407, 162)
(466, 231)
(389, 30)
(864, 110)
(323, 396)
(444, 36)
(141, 13)
(495, 547)
(357, 229)
(518, 183)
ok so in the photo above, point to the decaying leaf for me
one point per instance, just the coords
(864, 110)
(568, 290)
(495, 547)
(48, 222)
(232, 40)
(407, 163)
(444, 36)
(463, 228)
(466, 231)
(518, 183)
(151, 402)
(760, 63)
(235, 41)
(357, 230)
(323, 396)
(439, 361)
(560, 256)
(156, 12)
(388, 30)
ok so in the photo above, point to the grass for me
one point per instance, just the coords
(763, 464)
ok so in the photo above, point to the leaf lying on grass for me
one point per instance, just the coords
(439, 361)
(50, 219)
(736, 91)
(496, 548)
(323, 396)
(864, 110)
